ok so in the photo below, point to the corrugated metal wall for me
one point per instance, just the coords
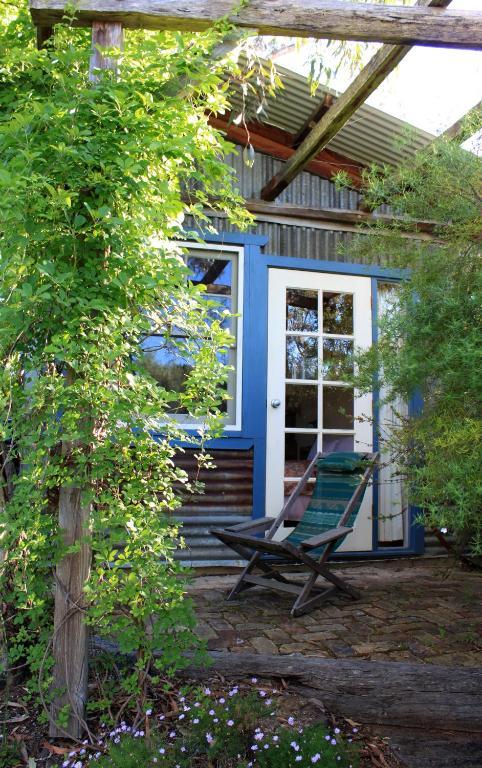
(227, 500)
(285, 238)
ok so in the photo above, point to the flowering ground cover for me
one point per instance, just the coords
(238, 727)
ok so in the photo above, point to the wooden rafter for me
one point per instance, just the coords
(336, 216)
(377, 69)
(329, 19)
(278, 143)
(457, 130)
(313, 119)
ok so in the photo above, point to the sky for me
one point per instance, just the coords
(431, 88)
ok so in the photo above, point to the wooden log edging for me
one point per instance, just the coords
(371, 692)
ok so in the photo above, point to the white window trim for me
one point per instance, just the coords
(239, 250)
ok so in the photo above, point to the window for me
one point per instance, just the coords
(218, 268)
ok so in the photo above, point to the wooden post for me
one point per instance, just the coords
(104, 35)
(70, 644)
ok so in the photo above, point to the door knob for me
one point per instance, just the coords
(275, 403)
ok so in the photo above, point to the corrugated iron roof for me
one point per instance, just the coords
(370, 136)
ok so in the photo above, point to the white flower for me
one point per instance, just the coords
(275, 738)
(266, 746)
(148, 712)
(162, 751)
(298, 758)
(337, 730)
(181, 717)
(196, 720)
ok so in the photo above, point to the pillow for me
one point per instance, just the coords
(343, 461)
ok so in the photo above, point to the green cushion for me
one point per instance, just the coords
(343, 461)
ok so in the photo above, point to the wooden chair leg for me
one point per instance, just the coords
(341, 584)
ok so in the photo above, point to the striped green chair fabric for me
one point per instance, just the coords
(337, 478)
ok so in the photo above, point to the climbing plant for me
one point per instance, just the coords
(429, 342)
(93, 183)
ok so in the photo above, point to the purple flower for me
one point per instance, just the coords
(209, 738)
(333, 741)
(254, 747)
(172, 734)
(211, 712)
(230, 723)
(258, 736)
(254, 680)
(291, 721)
(148, 712)
(355, 730)
(162, 751)
(316, 757)
(295, 746)
(262, 694)
(196, 720)
(298, 758)
(181, 716)
(337, 730)
(275, 738)
(207, 691)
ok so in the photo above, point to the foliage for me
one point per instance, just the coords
(429, 342)
(93, 177)
(234, 730)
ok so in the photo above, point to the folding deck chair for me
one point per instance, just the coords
(341, 480)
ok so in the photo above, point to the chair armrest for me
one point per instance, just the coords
(325, 538)
(252, 525)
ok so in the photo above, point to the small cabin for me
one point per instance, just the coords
(301, 309)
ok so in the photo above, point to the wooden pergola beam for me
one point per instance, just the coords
(377, 69)
(329, 19)
(457, 130)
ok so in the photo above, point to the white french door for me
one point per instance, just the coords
(315, 321)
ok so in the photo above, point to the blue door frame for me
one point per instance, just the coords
(255, 354)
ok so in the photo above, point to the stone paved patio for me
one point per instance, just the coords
(426, 611)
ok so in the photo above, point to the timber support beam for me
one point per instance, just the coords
(328, 19)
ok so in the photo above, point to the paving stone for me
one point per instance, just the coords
(320, 637)
(295, 648)
(368, 648)
(264, 645)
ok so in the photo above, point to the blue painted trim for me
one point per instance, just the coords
(335, 267)
(417, 531)
(380, 554)
(376, 419)
(233, 238)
